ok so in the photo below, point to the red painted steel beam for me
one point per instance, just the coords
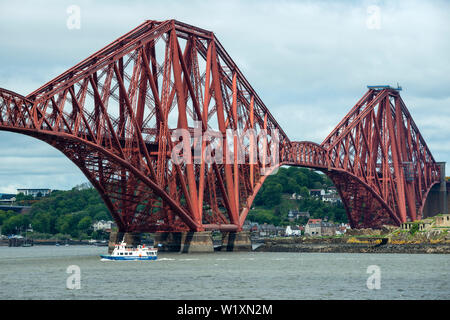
(114, 115)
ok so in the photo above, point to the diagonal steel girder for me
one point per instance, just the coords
(117, 114)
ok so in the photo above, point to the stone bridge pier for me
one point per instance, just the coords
(438, 199)
(186, 242)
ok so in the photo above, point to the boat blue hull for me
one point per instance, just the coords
(127, 258)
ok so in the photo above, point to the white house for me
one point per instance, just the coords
(295, 196)
(293, 231)
(317, 193)
(34, 192)
(103, 225)
(331, 197)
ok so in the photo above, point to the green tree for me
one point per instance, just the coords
(84, 224)
(272, 194)
(43, 222)
(5, 215)
(301, 178)
(62, 211)
(304, 192)
(292, 186)
(317, 185)
(15, 224)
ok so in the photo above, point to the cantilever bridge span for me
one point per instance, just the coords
(115, 114)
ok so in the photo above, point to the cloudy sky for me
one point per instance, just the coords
(309, 61)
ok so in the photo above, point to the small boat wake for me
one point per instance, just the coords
(104, 259)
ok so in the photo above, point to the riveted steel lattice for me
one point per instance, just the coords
(114, 115)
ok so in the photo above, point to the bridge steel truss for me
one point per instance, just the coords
(115, 115)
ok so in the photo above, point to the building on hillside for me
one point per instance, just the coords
(247, 225)
(291, 216)
(328, 229)
(423, 225)
(342, 228)
(84, 186)
(295, 215)
(330, 195)
(6, 198)
(254, 227)
(34, 192)
(332, 190)
(442, 220)
(263, 230)
(295, 196)
(331, 198)
(293, 231)
(266, 230)
(317, 193)
(103, 225)
(313, 227)
(269, 230)
(319, 227)
(303, 214)
(280, 231)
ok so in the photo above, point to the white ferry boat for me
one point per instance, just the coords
(123, 252)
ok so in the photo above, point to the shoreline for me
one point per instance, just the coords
(47, 242)
(358, 248)
(345, 245)
(310, 246)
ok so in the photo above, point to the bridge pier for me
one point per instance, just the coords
(443, 203)
(130, 238)
(236, 241)
(437, 200)
(184, 242)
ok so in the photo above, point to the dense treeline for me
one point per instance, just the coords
(72, 213)
(290, 180)
(61, 213)
(272, 202)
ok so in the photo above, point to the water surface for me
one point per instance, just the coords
(40, 272)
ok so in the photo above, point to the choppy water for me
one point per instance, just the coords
(40, 272)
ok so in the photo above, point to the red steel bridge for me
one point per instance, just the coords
(114, 115)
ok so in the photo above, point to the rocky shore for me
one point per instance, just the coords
(351, 245)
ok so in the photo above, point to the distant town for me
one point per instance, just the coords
(296, 222)
(311, 227)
